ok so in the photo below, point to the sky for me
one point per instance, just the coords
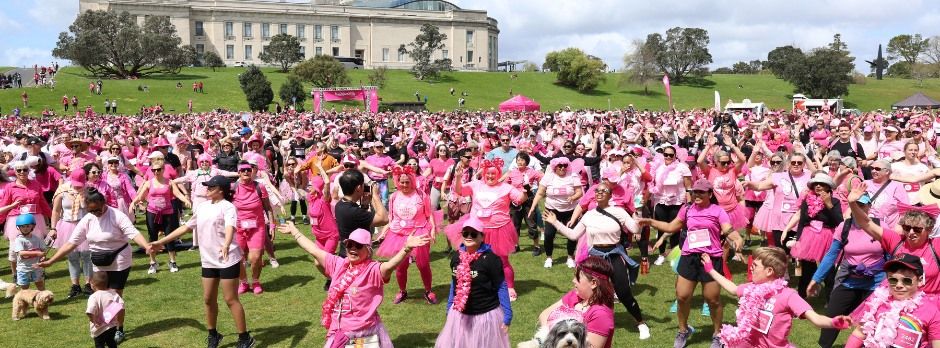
(739, 30)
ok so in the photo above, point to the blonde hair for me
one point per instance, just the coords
(774, 258)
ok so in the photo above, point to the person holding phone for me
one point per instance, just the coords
(350, 215)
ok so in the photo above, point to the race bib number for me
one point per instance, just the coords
(789, 207)
(485, 213)
(28, 209)
(906, 338)
(765, 318)
(314, 221)
(912, 187)
(248, 224)
(560, 191)
(699, 239)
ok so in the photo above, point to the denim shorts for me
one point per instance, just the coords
(23, 278)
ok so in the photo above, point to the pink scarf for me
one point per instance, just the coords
(749, 307)
(338, 290)
(661, 176)
(814, 204)
(462, 288)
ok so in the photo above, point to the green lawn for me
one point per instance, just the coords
(486, 90)
(166, 310)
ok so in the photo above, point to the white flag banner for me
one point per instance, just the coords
(717, 102)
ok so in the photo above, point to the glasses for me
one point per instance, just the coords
(601, 190)
(796, 163)
(893, 281)
(245, 170)
(351, 245)
(21, 170)
(291, 163)
(724, 163)
(115, 149)
(567, 146)
(226, 145)
(698, 192)
(470, 234)
(773, 163)
(112, 162)
(562, 165)
(349, 165)
(669, 154)
(503, 139)
(909, 228)
(877, 169)
(466, 157)
(94, 172)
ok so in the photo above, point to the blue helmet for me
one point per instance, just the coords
(25, 219)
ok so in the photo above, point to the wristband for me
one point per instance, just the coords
(709, 267)
(840, 323)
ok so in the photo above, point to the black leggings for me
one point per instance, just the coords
(842, 302)
(549, 243)
(168, 223)
(644, 242)
(106, 339)
(621, 280)
(522, 214)
(303, 207)
(667, 213)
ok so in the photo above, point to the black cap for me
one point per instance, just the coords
(906, 261)
(217, 181)
(34, 141)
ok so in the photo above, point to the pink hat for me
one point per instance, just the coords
(868, 129)
(702, 185)
(160, 142)
(317, 184)
(611, 174)
(77, 178)
(349, 158)
(474, 224)
(361, 236)
(204, 157)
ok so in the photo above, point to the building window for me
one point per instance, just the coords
(401, 56)
(303, 52)
(229, 51)
(200, 49)
(301, 31)
(229, 30)
(469, 39)
(469, 56)
(335, 51)
(334, 33)
(265, 31)
(246, 30)
(445, 54)
(282, 29)
(247, 52)
(200, 31)
(385, 54)
(318, 51)
(318, 33)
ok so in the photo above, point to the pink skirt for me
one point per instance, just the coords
(379, 329)
(502, 239)
(10, 230)
(813, 244)
(739, 218)
(472, 331)
(394, 242)
(125, 207)
(63, 231)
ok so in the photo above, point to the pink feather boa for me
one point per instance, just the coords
(880, 326)
(749, 307)
(814, 204)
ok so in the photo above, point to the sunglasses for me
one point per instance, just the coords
(94, 172)
(349, 165)
(115, 149)
(698, 192)
(669, 154)
(724, 163)
(291, 163)
(470, 234)
(503, 139)
(21, 170)
(601, 190)
(893, 281)
(351, 245)
(796, 163)
(562, 165)
(567, 146)
(245, 170)
(773, 163)
(112, 162)
(877, 169)
(909, 228)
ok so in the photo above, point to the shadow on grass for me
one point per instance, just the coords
(528, 285)
(643, 93)
(698, 82)
(426, 339)
(163, 326)
(56, 316)
(145, 279)
(297, 258)
(271, 336)
(287, 281)
(171, 77)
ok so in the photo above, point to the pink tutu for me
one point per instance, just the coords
(813, 244)
(471, 331)
(502, 239)
(762, 216)
(63, 231)
(286, 191)
(394, 242)
(10, 230)
(739, 218)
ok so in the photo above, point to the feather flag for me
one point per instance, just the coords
(717, 102)
(668, 89)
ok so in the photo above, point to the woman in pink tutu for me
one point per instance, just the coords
(819, 214)
(206, 171)
(67, 208)
(120, 183)
(491, 200)
(478, 309)
(409, 213)
(23, 196)
(784, 200)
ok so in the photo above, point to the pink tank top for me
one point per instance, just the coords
(159, 198)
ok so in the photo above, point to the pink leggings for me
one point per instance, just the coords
(422, 257)
(508, 272)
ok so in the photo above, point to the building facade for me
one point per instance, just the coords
(373, 30)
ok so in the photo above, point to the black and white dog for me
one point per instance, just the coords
(567, 333)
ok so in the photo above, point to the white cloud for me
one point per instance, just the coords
(58, 14)
(26, 56)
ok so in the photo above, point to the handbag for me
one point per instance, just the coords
(105, 258)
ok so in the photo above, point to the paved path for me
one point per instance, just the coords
(25, 73)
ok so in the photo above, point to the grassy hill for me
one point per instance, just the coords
(486, 90)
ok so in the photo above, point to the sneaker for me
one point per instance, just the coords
(682, 338)
(213, 341)
(173, 267)
(401, 297)
(548, 263)
(570, 263)
(119, 336)
(430, 297)
(257, 288)
(242, 288)
(274, 263)
(536, 251)
(249, 343)
(152, 269)
(74, 291)
(306, 220)
(660, 260)
(87, 290)
(517, 249)
(645, 266)
(675, 307)
(716, 342)
(706, 312)
(644, 331)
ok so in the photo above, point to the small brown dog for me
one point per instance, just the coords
(23, 299)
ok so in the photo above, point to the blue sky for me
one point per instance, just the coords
(739, 30)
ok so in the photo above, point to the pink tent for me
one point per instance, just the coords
(519, 103)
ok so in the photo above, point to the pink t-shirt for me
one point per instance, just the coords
(726, 187)
(408, 213)
(558, 189)
(779, 310)
(890, 239)
(755, 174)
(380, 161)
(491, 203)
(247, 204)
(672, 190)
(704, 229)
(439, 169)
(210, 221)
(521, 176)
(107, 233)
(862, 249)
(358, 309)
(885, 206)
(322, 221)
(598, 319)
(919, 327)
(97, 303)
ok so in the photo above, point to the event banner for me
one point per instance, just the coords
(369, 96)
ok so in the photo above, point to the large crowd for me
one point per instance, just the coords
(838, 206)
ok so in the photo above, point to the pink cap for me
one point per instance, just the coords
(702, 185)
(361, 236)
(473, 223)
(349, 158)
(160, 142)
(77, 178)
(611, 174)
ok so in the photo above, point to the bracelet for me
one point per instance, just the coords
(407, 250)
(296, 235)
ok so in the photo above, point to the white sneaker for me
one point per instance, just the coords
(174, 268)
(152, 269)
(274, 263)
(548, 263)
(570, 263)
(660, 260)
(644, 331)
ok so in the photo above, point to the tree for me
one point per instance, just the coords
(683, 51)
(257, 88)
(213, 60)
(429, 40)
(575, 68)
(900, 70)
(377, 77)
(827, 74)
(837, 44)
(756, 66)
(786, 62)
(743, 67)
(640, 66)
(283, 50)
(111, 44)
(530, 67)
(932, 50)
(292, 92)
(322, 71)
(723, 70)
(907, 48)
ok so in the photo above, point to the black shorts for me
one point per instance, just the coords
(753, 204)
(666, 213)
(118, 279)
(691, 268)
(230, 272)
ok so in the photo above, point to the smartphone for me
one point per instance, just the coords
(280, 221)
